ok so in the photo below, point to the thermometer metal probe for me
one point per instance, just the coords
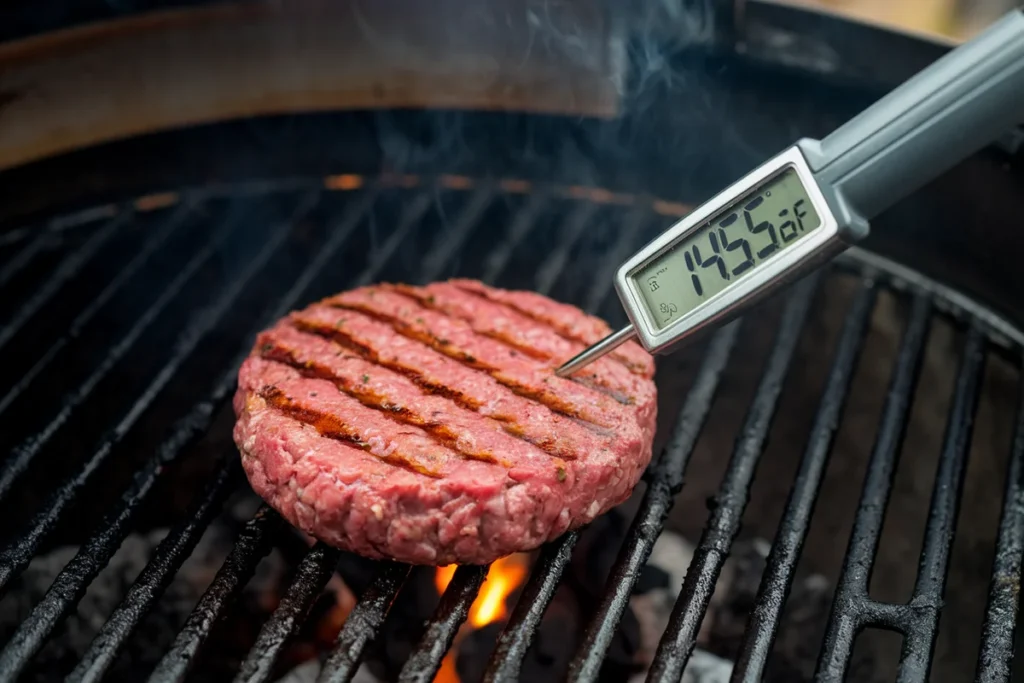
(810, 202)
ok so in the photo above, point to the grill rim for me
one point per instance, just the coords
(799, 39)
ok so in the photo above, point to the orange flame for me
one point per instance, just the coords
(443, 577)
(503, 577)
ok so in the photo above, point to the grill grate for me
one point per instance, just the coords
(665, 482)
(167, 559)
(314, 571)
(382, 219)
(252, 544)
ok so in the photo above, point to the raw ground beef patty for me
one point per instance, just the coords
(426, 424)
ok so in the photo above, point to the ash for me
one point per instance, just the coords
(794, 655)
(653, 599)
(308, 671)
(156, 631)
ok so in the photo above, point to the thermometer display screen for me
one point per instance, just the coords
(738, 241)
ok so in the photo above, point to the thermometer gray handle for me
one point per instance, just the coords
(959, 104)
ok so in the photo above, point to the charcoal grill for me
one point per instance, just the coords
(136, 270)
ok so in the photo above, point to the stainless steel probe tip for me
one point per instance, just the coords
(589, 355)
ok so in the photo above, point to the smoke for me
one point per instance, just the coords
(630, 53)
(663, 30)
(610, 91)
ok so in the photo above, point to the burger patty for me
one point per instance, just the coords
(426, 424)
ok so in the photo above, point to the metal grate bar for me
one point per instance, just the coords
(173, 550)
(554, 265)
(785, 553)
(453, 609)
(252, 544)
(253, 668)
(448, 242)
(257, 665)
(17, 235)
(624, 247)
(680, 636)
(154, 243)
(383, 584)
(887, 615)
(1001, 615)
(852, 588)
(515, 639)
(443, 626)
(43, 241)
(71, 583)
(362, 624)
(426, 659)
(915, 661)
(23, 454)
(67, 590)
(518, 634)
(67, 270)
(15, 557)
(198, 420)
(498, 259)
(666, 478)
(314, 571)
(410, 217)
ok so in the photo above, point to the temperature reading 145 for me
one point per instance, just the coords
(727, 248)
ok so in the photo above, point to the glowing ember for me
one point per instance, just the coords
(503, 577)
(343, 182)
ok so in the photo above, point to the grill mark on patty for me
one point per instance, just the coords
(563, 331)
(513, 428)
(457, 338)
(444, 346)
(366, 351)
(428, 299)
(443, 434)
(331, 427)
(426, 367)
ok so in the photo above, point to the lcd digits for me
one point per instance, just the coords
(731, 246)
(718, 248)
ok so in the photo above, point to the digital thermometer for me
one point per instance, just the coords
(809, 203)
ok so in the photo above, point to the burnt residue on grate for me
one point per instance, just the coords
(119, 460)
